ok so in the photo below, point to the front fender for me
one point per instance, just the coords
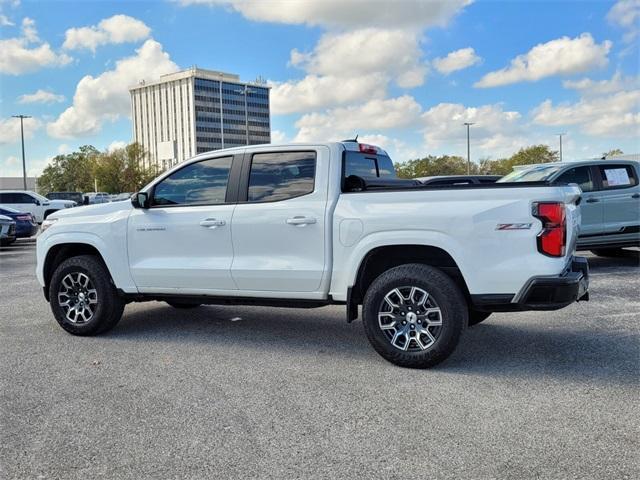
(113, 253)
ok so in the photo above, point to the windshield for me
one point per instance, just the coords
(533, 174)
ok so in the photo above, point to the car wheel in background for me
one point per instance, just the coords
(414, 315)
(83, 298)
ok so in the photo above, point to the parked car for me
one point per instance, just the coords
(73, 196)
(121, 196)
(7, 231)
(610, 199)
(280, 225)
(38, 206)
(26, 226)
(97, 197)
(459, 180)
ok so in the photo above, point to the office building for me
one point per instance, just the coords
(195, 111)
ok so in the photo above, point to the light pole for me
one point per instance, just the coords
(561, 135)
(245, 91)
(24, 165)
(468, 124)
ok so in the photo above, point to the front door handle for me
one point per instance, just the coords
(635, 195)
(299, 220)
(212, 223)
(592, 200)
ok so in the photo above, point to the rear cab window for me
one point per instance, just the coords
(368, 165)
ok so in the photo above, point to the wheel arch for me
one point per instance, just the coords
(382, 258)
(62, 251)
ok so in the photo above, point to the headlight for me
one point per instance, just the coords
(47, 223)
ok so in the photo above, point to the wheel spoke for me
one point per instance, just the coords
(77, 296)
(403, 317)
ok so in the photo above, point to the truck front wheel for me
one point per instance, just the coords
(414, 315)
(83, 299)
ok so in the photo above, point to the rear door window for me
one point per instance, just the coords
(617, 176)
(281, 175)
(579, 175)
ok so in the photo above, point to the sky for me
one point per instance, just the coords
(403, 74)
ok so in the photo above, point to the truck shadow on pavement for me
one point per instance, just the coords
(499, 347)
(628, 258)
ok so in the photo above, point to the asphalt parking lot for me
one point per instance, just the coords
(251, 392)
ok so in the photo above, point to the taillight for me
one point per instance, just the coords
(552, 240)
(364, 148)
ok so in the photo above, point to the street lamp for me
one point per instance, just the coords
(24, 165)
(561, 135)
(245, 91)
(468, 124)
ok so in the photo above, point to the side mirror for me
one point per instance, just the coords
(85, 200)
(37, 202)
(140, 200)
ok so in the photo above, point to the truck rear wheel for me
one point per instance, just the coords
(414, 315)
(83, 299)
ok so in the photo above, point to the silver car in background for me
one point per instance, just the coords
(610, 204)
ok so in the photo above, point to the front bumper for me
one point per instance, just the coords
(542, 293)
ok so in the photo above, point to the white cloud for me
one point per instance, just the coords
(563, 56)
(313, 92)
(340, 13)
(495, 132)
(41, 96)
(5, 22)
(116, 145)
(458, 60)
(366, 51)
(10, 129)
(616, 115)
(106, 97)
(63, 148)
(19, 54)
(278, 136)
(116, 29)
(350, 67)
(617, 83)
(342, 122)
(626, 14)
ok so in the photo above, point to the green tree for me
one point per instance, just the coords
(612, 153)
(432, 165)
(121, 170)
(71, 172)
(525, 156)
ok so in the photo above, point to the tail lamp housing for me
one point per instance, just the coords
(552, 240)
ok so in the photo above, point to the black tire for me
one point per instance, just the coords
(476, 317)
(108, 310)
(183, 305)
(441, 289)
(609, 252)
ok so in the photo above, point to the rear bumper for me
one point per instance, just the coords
(542, 293)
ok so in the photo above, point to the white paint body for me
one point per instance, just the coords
(252, 251)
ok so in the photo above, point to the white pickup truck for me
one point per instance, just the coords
(315, 224)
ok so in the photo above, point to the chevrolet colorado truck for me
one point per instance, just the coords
(309, 225)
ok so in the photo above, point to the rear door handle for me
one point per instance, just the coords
(592, 200)
(299, 220)
(635, 195)
(212, 223)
